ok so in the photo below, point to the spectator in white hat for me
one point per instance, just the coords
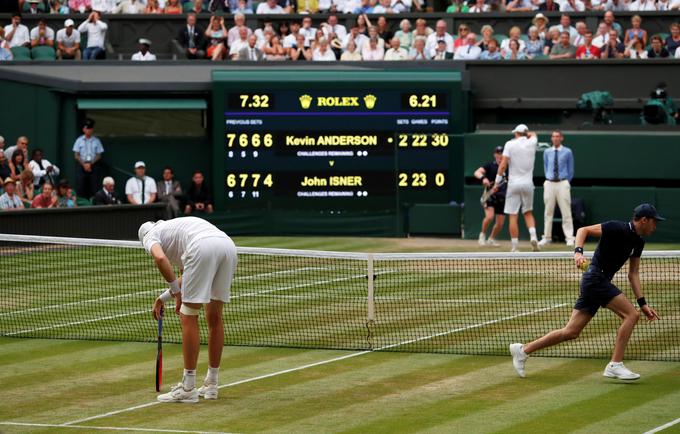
(140, 189)
(68, 41)
(144, 55)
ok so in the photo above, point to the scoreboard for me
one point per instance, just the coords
(335, 142)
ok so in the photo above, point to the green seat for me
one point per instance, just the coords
(524, 38)
(187, 7)
(663, 36)
(21, 53)
(43, 52)
(500, 38)
(541, 57)
(81, 201)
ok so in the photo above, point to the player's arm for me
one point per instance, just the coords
(581, 236)
(634, 279)
(501, 171)
(165, 267)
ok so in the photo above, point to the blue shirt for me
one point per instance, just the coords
(7, 202)
(487, 55)
(565, 163)
(88, 148)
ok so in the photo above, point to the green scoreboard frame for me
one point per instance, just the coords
(335, 151)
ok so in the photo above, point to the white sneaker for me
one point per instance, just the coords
(208, 391)
(570, 242)
(518, 358)
(534, 245)
(620, 372)
(544, 242)
(492, 242)
(178, 394)
(482, 239)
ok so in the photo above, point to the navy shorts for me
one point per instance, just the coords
(497, 203)
(596, 291)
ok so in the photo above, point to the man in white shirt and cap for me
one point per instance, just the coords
(68, 41)
(140, 189)
(144, 55)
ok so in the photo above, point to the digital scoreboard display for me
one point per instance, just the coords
(335, 142)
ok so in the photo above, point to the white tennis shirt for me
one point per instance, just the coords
(177, 235)
(522, 153)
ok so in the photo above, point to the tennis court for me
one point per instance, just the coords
(311, 351)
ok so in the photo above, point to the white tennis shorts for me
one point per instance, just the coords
(519, 196)
(209, 267)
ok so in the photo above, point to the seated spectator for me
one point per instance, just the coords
(463, 32)
(395, 52)
(351, 53)
(172, 7)
(22, 146)
(513, 52)
(549, 6)
(323, 53)
(358, 38)
(144, 55)
(35, 7)
(197, 7)
(284, 30)
(404, 34)
(251, 52)
(372, 50)
(519, 6)
(241, 6)
(588, 50)
(5, 51)
(572, 6)
(635, 31)
(43, 170)
(440, 34)
(361, 7)
(80, 6)
(140, 189)
(422, 30)
(673, 40)
(635, 50)
(41, 35)
(602, 37)
(664, 5)
(239, 24)
(580, 37)
(46, 199)
(418, 52)
(514, 34)
(479, 7)
(383, 7)
(307, 30)
(331, 26)
(401, 6)
(240, 43)
(170, 191)
(487, 36)
(107, 195)
(152, 7)
(616, 6)
(65, 196)
(96, 36)
(613, 49)
(658, 51)
(290, 39)
(16, 34)
(299, 51)
(217, 35)
(269, 7)
(441, 52)
(552, 40)
(492, 51)
(57, 7)
(68, 42)
(611, 23)
(563, 50)
(534, 45)
(5, 172)
(191, 38)
(642, 5)
(469, 51)
(565, 26)
(273, 50)
(373, 33)
(129, 7)
(9, 201)
(17, 165)
(307, 6)
(25, 189)
(198, 195)
(541, 23)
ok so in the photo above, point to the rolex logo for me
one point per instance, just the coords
(370, 101)
(305, 101)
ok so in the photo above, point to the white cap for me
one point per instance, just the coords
(144, 229)
(139, 164)
(108, 181)
(69, 23)
(521, 128)
(144, 41)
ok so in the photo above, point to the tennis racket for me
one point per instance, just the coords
(488, 192)
(159, 354)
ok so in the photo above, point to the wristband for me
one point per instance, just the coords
(166, 296)
(578, 250)
(641, 301)
(174, 286)
(498, 179)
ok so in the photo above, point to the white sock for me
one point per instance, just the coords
(189, 379)
(532, 233)
(212, 377)
(521, 351)
(514, 242)
(615, 364)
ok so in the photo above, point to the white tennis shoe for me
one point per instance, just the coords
(482, 239)
(544, 242)
(208, 391)
(178, 394)
(519, 358)
(492, 242)
(534, 245)
(620, 372)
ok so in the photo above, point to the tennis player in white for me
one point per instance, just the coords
(519, 155)
(206, 257)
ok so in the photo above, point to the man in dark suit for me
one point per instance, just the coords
(170, 192)
(106, 196)
(191, 38)
(251, 52)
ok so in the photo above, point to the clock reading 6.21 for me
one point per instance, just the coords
(423, 101)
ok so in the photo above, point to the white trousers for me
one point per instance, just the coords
(558, 193)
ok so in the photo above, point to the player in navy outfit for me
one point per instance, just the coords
(619, 242)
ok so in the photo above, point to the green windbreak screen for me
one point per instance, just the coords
(142, 104)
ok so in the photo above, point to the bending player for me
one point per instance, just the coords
(206, 257)
(619, 241)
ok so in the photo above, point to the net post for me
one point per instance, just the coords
(371, 278)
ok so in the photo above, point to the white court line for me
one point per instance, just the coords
(664, 426)
(87, 321)
(324, 362)
(109, 428)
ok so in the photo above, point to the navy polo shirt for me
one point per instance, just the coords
(618, 243)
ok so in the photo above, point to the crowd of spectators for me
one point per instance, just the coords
(34, 183)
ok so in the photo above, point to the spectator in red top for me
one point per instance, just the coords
(588, 50)
(45, 199)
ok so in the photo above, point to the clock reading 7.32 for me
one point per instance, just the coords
(424, 101)
(251, 101)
